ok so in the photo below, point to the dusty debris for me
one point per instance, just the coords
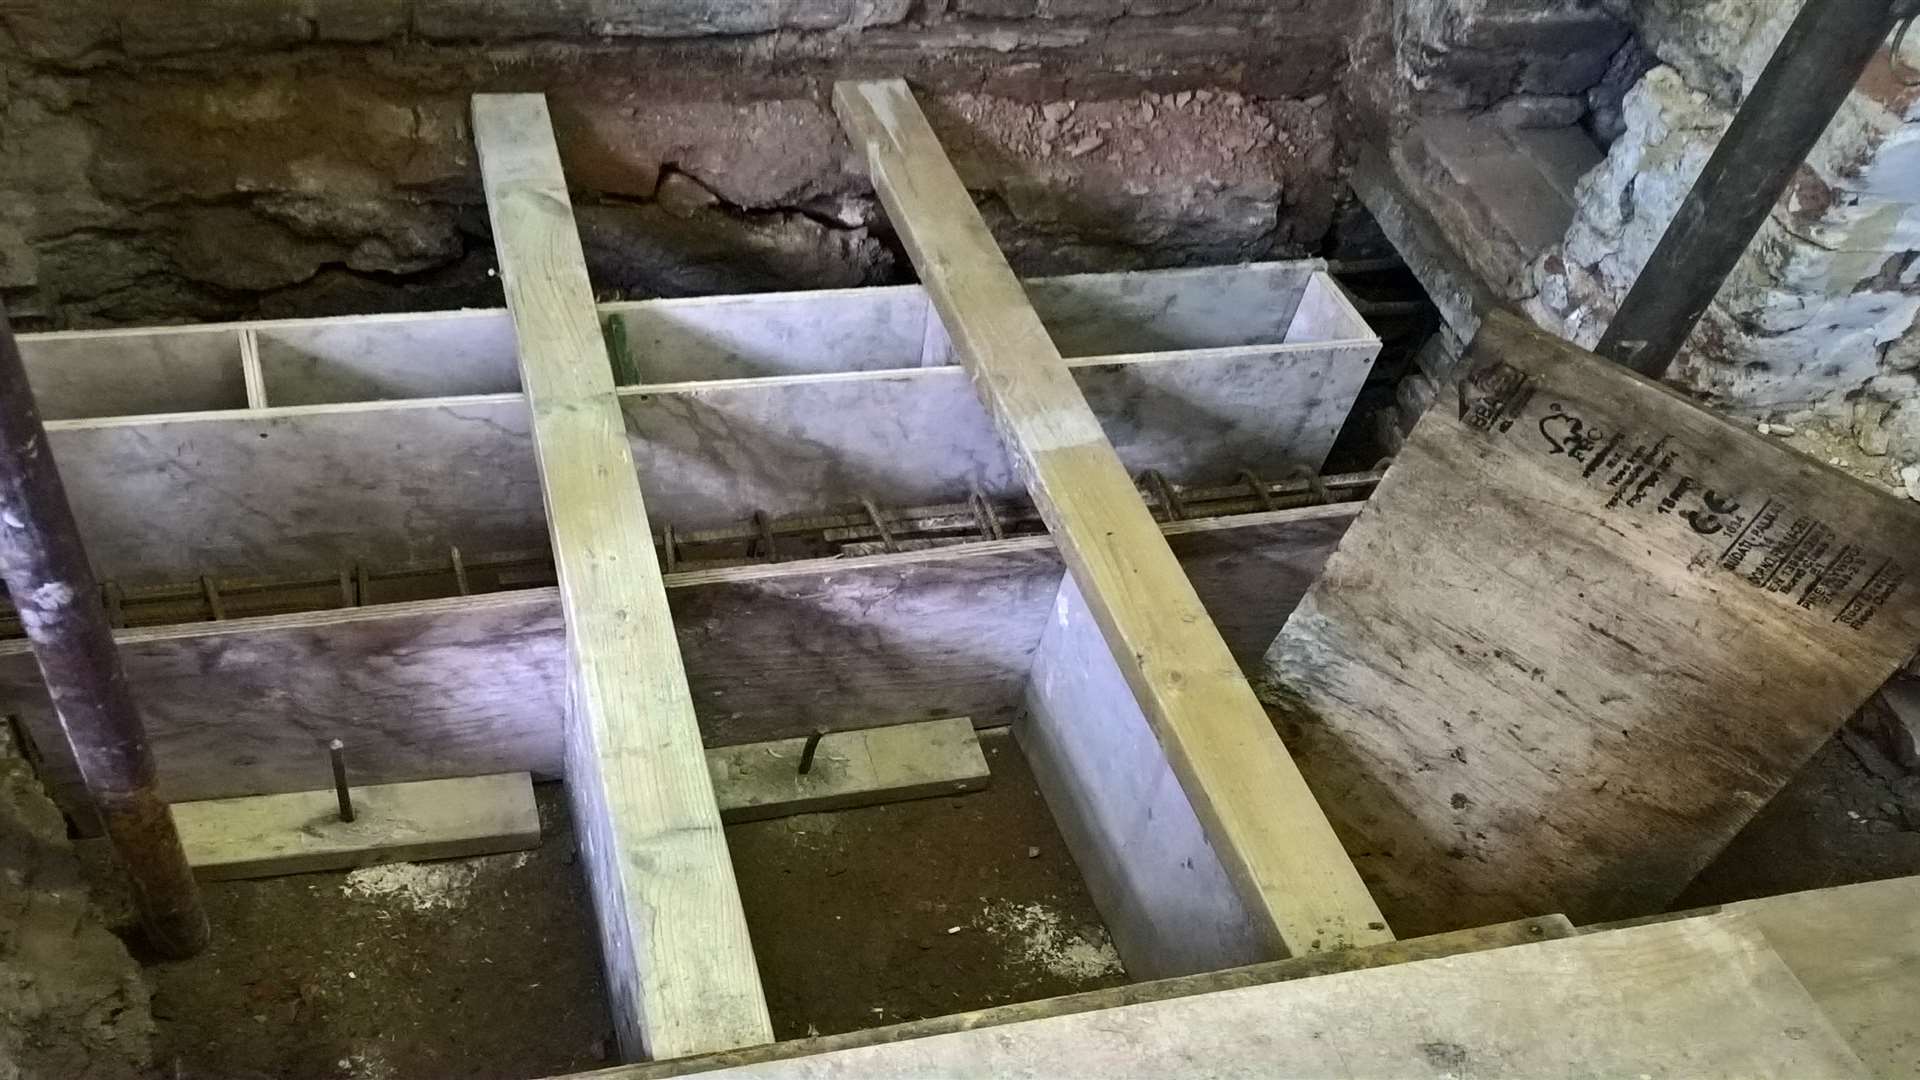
(424, 887)
(1045, 940)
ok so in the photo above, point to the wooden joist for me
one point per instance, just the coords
(680, 970)
(1271, 837)
(1583, 631)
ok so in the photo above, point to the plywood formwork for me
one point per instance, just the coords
(227, 488)
(473, 685)
(305, 448)
(1256, 816)
(1691, 995)
(1115, 643)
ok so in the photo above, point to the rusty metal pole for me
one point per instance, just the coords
(1811, 73)
(47, 575)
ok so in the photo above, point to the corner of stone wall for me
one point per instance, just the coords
(1816, 329)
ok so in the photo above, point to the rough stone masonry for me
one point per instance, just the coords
(1816, 328)
(203, 159)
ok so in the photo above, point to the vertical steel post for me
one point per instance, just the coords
(51, 583)
(1816, 65)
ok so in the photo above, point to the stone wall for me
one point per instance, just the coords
(202, 159)
(1816, 327)
(1535, 63)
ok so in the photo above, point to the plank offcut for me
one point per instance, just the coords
(680, 969)
(1269, 834)
(301, 832)
(849, 769)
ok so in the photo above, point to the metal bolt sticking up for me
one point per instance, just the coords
(337, 750)
(806, 752)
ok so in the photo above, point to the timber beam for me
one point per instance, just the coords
(680, 970)
(1172, 669)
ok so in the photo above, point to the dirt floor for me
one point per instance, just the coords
(488, 967)
(1836, 824)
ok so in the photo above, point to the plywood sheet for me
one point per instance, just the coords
(313, 489)
(1583, 631)
(476, 684)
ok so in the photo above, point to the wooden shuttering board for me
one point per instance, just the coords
(366, 358)
(1166, 899)
(476, 684)
(1686, 1000)
(680, 969)
(1258, 814)
(318, 488)
(1581, 634)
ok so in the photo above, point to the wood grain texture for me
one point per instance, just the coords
(1697, 999)
(301, 832)
(477, 684)
(1856, 949)
(1257, 811)
(1312, 965)
(338, 361)
(1581, 634)
(1160, 889)
(300, 490)
(680, 968)
(758, 781)
(362, 358)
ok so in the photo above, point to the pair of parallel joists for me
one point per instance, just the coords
(1131, 658)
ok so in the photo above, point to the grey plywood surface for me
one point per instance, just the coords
(317, 488)
(133, 372)
(339, 361)
(301, 490)
(476, 684)
(301, 832)
(1581, 634)
(1159, 887)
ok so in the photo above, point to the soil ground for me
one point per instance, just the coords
(488, 967)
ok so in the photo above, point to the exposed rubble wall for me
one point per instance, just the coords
(1817, 325)
(174, 160)
(1534, 63)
